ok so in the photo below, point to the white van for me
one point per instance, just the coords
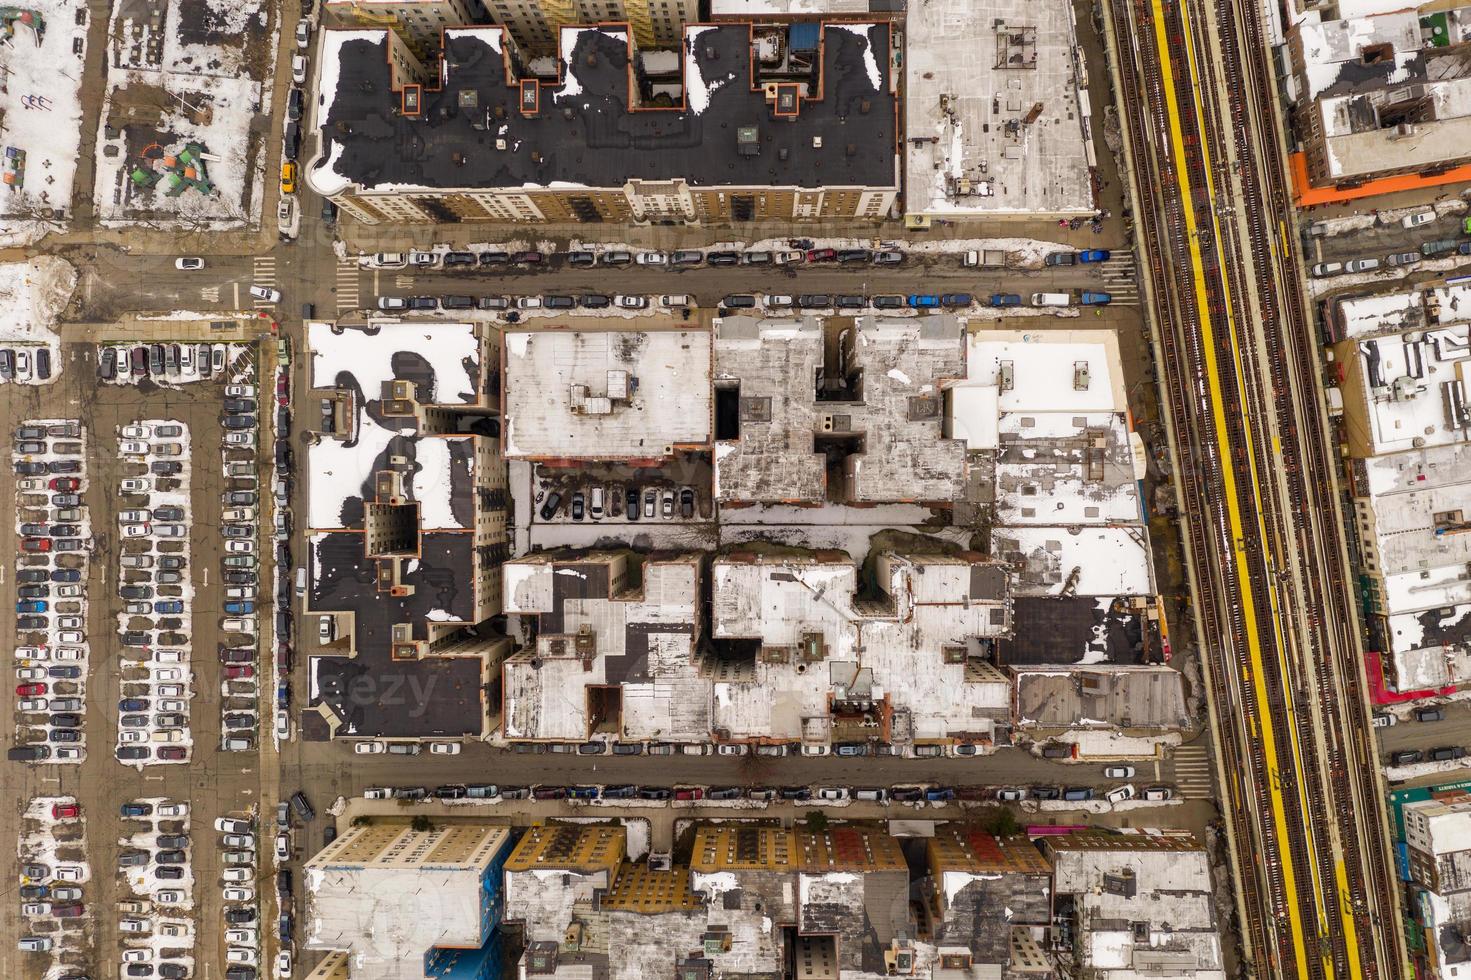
(301, 581)
(1051, 299)
(595, 504)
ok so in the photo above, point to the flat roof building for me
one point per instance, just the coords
(1438, 841)
(615, 651)
(841, 409)
(997, 116)
(406, 529)
(1381, 95)
(776, 122)
(1138, 905)
(403, 904)
(1378, 314)
(605, 394)
(990, 900)
(829, 660)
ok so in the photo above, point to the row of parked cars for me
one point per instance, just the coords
(238, 856)
(921, 793)
(617, 500)
(156, 863)
(681, 259)
(48, 892)
(29, 363)
(153, 579)
(51, 655)
(163, 363)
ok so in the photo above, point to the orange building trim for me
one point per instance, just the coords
(1306, 195)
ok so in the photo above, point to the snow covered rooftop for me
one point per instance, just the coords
(442, 360)
(606, 394)
(1048, 370)
(1061, 468)
(596, 629)
(820, 642)
(390, 894)
(1407, 391)
(1378, 313)
(997, 111)
(1088, 561)
(788, 376)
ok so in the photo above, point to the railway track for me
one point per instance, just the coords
(1281, 641)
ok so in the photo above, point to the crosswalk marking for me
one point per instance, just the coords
(263, 273)
(403, 282)
(1191, 766)
(1119, 280)
(210, 294)
(348, 297)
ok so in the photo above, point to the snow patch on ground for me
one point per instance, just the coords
(32, 296)
(41, 116)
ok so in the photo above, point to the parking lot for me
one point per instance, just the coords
(170, 678)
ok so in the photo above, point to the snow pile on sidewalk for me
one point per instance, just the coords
(32, 296)
(40, 120)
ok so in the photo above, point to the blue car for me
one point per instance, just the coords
(1006, 299)
(920, 301)
(171, 606)
(1093, 255)
(1094, 299)
(954, 300)
(239, 608)
(133, 704)
(31, 606)
(66, 575)
(582, 792)
(939, 794)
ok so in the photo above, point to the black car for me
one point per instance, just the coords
(724, 793)
(739, 301)
(168, 513)
(283, 882)
(283, 927)
(33, 591)
(457, 258)
(27, 468)
(27, 575)
(66, 575)
(686, 503)
(173, 842)
(449, 793)
(64, 466)
(854, 255)
(302, 806)
(495, 258)
(592, 748)
(63, 735)
(240, 915)
(457, 302)
(31, 622)
(1442, 753)
(107, 364)
(655, 793)
(577, 506)
(798, 793)
(550, 506)
(171, 856)
(906, 794)
(294, 100)
(237, 405)
(814, 301)
(528, 258)
(956, 300)
(166, 467)
(849, 302)
(595, 301)
(623, 791)
(422, 303)
(240, 498)
(291, 141)
(581, 258)
(65, 719)
(1060, 258)
(723, 258)
(1046, 793)
(559, 302)
(155, 359)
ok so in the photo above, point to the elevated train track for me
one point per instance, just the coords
(1238, 359)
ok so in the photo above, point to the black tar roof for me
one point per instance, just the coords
(373, 694)
(585, 133)
(1078, 629)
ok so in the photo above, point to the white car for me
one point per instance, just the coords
(32, 704)
(71, 872)
(377, 793)
(369, 748)
(630, 302)
(240, 546)
(239, 391)
(131, 736)
(169, 896)
(242, 937)
(30, 673)
(298, 69)
(283, 846)
(777, 301)
(266, 293)
(239, 954)
(170, 530)
(137, 955)
(283, 964)
(288, 217)
(68, 753)
(168, 656)
(137, 530)
(240, 440)
(136, 431)
(1118, 772)
(135, 485)
(651, 258)
(676, 299)
(173, 809)
(169, 691)
(71, 636)
(283, 723)
(189, 263)
(168, 674)
(303, 33)
(133, 448)
(832, 794)
(135, 925)
(134, 517)
(528, 302)
(68, 592)
(1417, 218)
(69, 653)
(444, 748)
(30, 653)
(236, 875)
(1120, 793)
(237, 893)
(245, 840)
(392, 303)
(232, 825)
(238, 624)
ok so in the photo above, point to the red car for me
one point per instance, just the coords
(688, 793)
(64, 483)
(30, 690)
(35, 544)
(239, 671)
(173, 752)
(822, 255)
(65, 811)
(283, 393)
